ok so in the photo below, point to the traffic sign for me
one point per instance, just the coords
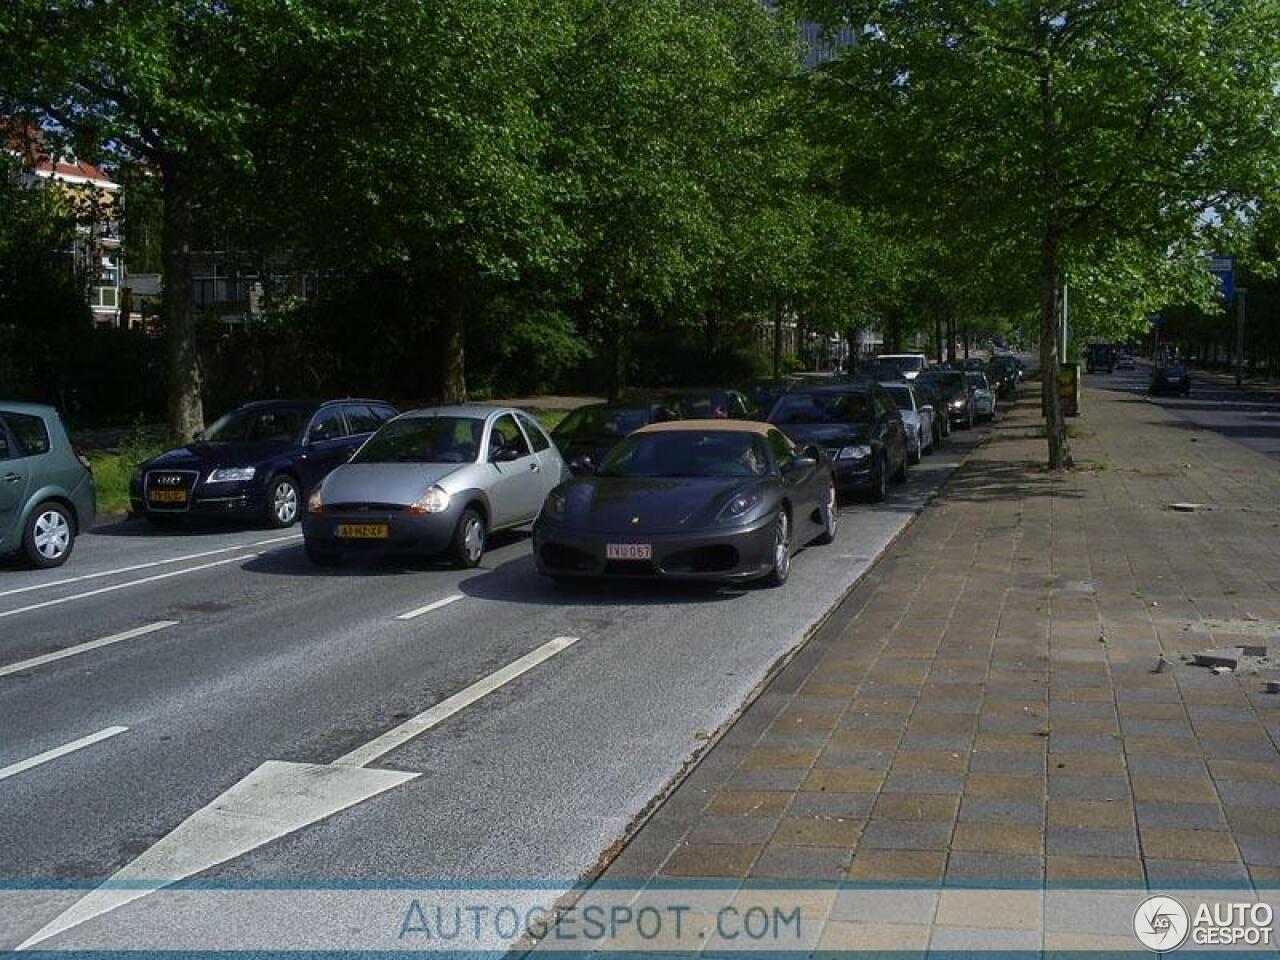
(1224, 268)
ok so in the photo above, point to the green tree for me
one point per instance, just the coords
(1058, 128)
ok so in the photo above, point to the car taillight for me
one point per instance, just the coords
(84, 461)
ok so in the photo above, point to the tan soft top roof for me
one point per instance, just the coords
(724, 426)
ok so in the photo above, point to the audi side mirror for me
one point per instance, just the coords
(803, 463)
(582, 466)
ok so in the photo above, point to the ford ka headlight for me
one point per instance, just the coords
(231, 475)
(857, 452)
(740, 505)
(434, 500)
(315, 502)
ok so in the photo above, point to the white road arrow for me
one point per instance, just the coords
(274, 801)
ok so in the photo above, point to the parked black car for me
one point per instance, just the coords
(957, 396)
(858, 427)
(1002, 372)
(1171, 378)
(259, 461)
(587, 434)
(763, 394)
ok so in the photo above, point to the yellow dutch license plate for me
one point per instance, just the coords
(167, 496)
(364, 531)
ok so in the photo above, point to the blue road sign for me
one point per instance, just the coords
(1224, 268)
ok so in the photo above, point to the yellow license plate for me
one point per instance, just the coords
(364, 531)
(167, 496)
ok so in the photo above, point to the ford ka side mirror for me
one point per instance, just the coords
(505, 455)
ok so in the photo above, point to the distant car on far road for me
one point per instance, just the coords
(710, 404)
(434, 482)
(587, 434)
(46, 488)
(1171, 378)
(259, 461)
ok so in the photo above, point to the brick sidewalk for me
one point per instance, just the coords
(983, 709)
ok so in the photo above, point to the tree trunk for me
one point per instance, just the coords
(617, 325)
(1055, 426)
(453, 370)
(966, 341)
(186, 409)
(951, 338)
(937, 336)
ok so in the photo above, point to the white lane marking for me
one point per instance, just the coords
(398, 736)
(412, 614)
(147, 566)
(123, 586)
(23, 765)
(273, 801)
(23, 665)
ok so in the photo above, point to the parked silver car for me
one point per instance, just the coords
(917, 417)
(46, 487)
(984, 397)
(434, 482)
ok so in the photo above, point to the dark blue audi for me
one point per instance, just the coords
(257, 462)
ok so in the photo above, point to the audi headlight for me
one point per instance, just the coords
(857, 452)
(315, 502)
(434, 500)
(740, 505)
(231, 475)
(554, 505)
(957, 404)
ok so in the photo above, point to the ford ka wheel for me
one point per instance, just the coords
(49, 537)
(282, 502)
(468, 539)
(830, 517)
(781, 551)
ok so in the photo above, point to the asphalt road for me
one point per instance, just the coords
(253, 655)
(1216, 404)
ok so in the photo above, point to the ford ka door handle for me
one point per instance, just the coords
(11, 477)
(534, 467)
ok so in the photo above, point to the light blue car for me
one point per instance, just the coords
(46, 487)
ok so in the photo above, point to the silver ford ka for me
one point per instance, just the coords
(434, 482)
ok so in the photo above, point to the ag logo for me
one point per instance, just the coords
(1161, 923)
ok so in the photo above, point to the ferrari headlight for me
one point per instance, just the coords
(231, 475)
(554, 505)
(740, 505)
(857, 452)
(434, 500)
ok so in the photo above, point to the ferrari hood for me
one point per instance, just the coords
(650, 505)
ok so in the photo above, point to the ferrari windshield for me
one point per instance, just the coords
(824, 408)
(600, 421)
(688, 453)
(424, 440)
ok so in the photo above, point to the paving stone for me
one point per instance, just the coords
(853, 806)
(1167, 767)
(916, 806)
(897, 866)
(1009, 910)
(998, 838)
(906, 781)
(780, 758)
(1259, 849)
(1091, 842)
(1191, 816)
(845, 739)
(1246, 794)
(860, 759)
(1203, 874)
(785, 862)
(910, 906)
(930, 761)
(1001, 762)
(1085, 765)
(1004, 786)
(711, 860)
(1088, 788)
(767, 779)
(1069, 871)
(1173, 843)
(732, 830)
(975, 809)
(748, 803)
(1090, 813)
(903, 941)
(818, 832)
(905, 835)
(986, 870)
(957, 942)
